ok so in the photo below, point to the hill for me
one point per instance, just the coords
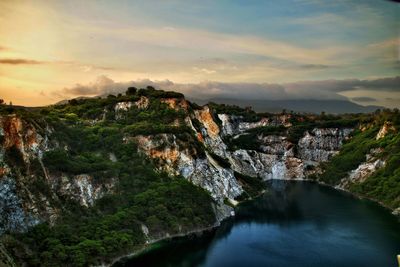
(89, 180)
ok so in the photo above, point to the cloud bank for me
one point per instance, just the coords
(317, 90)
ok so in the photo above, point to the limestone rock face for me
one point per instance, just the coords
(82, 188)
(203, 171)
(13, 215)
(266, 166)
(176, 103)
(276, 158)
(385, 129)
(276, 145)
(364, 170)
(321, 144)
(121, 108)
(21, 208)
(210, 134)
(233, 125)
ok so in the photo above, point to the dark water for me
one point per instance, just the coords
(294, 224)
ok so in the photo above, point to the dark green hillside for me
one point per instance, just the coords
(384, 184)
(87, 236)
(93, 137)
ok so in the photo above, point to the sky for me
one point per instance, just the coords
(297, 49)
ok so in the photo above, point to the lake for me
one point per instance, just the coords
(293, 224)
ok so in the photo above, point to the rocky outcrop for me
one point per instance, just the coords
(233, 125)
(320, 145)
(121, 108)
(210, 133)
(23, 144)
(385, 129)
(13, 217)
(276, 158)
(266, 166)
(82, 188)
(176, 103)
(364, 170)
(173, 157)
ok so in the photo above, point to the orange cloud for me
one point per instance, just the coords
(18, 61)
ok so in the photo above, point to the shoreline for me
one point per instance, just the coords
(148, 246)
(151, 243)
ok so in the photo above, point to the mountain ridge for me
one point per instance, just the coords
(137, 157)
(296, 105)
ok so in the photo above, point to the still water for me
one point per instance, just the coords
(292, 224)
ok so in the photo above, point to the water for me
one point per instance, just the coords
(293, 224)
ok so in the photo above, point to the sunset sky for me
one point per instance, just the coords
(53, 50)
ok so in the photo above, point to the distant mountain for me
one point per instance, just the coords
(304, 105)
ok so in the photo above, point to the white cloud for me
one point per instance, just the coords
(317, 90)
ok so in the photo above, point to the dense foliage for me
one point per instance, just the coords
(246, 113)
(88, 131)
(384, 184)
(113, 226)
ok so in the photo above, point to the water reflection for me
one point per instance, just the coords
(292, 224)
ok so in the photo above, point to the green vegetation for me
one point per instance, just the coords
(251, 186)
(247, 113)
(88, 131)
(224, 163)
(352, 154)
(113, 226)
(384, 184)
(243, 141)
(300, 124)
(268, 130)
(249, 140)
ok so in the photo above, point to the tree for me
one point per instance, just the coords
(1, 101)
(73, 102)
(131, 91)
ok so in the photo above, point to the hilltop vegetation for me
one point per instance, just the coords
(93, 137)
(113, 226)
(382, 186)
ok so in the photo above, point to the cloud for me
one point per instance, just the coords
(204, 70)
(19, 61)
(316, 66)
(104, 85)
(363, 99)
(101, 85)
(318, 90)
(388, 84)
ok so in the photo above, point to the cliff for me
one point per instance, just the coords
(119, 171)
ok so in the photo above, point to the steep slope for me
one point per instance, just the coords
(369, 163)
(75, 173)
(92, 179)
